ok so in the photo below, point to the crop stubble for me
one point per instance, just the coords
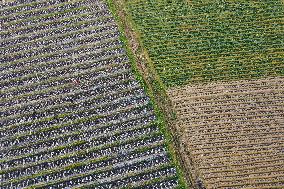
(232, 133)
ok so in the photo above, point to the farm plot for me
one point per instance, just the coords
(232, 133)
(211, 40)
(72, 112)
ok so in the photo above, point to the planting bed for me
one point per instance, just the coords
(73, 115)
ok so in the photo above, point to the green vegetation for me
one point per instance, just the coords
(203, 41)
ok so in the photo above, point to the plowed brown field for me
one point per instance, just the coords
(231, 134)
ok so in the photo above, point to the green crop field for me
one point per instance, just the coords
(210, 40)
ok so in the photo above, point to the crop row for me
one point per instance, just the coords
(83, 96)
(58, 40)
(101, 104)
(39, 77)
(88, 52)
(95, 90)
(100, 81)
(92, 40)
(114, 126)
(83, 75)
(102, 175)
(99, 141)
(88, 20)
(41, 36)
(51, 10)
(19, 7)
(38, 71)
(45, 132)
(103, 90)
(41, 154)
(73, 114)
(134, 181)
(92, 153)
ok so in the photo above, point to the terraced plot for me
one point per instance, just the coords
(72, 113)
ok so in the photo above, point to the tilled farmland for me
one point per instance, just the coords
(73, 115)
(232, 133)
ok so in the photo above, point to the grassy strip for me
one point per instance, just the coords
(151, 83)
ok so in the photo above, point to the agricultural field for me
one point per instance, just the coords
(198, 41)
(73, 112)
(233, 132)
(221, 67)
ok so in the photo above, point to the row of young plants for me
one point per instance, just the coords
(83, 97)
(100, 153)
(93, 142)
(56, 81)
(89, 127)
(47, 46)
(42, 154)
(48, 17)
(19, 7)
(79, 71)
(42, 123)
(51, 10)
(42, 36)
(73, 113)
(24, 139)
(27, 70)
(17, 118)
(103, 104)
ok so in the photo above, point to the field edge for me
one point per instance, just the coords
(152, 85)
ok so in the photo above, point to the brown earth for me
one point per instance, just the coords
(231, 134)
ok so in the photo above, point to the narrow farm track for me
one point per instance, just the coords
(72, 114)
